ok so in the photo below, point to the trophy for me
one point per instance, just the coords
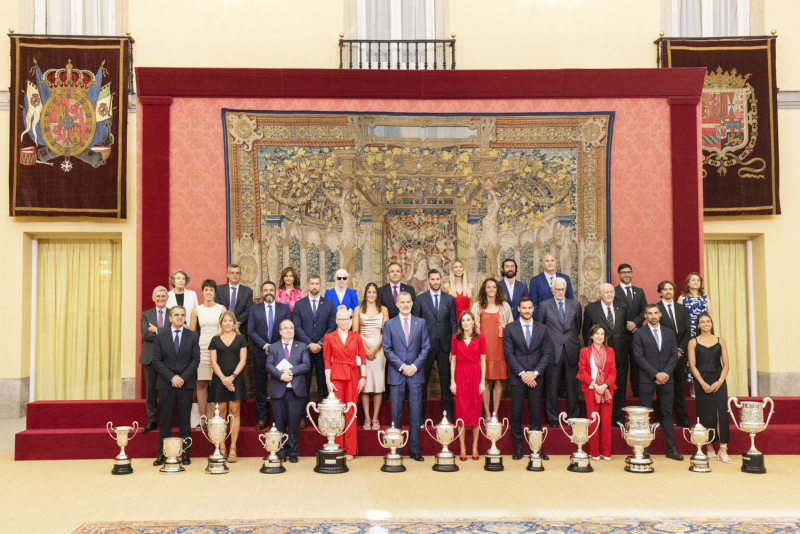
(579, 461)
(273, 440)
(331, 459)
(699, 435)
(535, 438)
(494, 431)
(122, 463)
(393, 440)
(751, 415)
(638, 433)
(445, 435)
(217, 426)
(173, 447)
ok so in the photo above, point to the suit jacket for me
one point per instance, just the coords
(184, 363)
(258, 329)
(540, 290)
(520, 290)
(310, 328)
(585, 370)
(682, 330)
(650, 359)
(521, 357)
(298, 357)
(616, 337)
(635, 307)
(562, 336)
(150, 317)
(442, 323)
(387, 298)
(190, 302)
(244, 301)
(398, 353)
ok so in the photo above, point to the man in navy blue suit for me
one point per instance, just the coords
(514, 290)
(388, 295)
(542, 283)
(263, 329)
(405, 345)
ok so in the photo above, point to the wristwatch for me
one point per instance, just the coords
(234, 375)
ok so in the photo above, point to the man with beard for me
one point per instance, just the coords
(635, 300)
(514, 291)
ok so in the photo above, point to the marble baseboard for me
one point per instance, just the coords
(128, 388)
(14, 395)
(779, 384)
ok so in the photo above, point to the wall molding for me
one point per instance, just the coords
(789, 100)
(778, 384)
(5, 100)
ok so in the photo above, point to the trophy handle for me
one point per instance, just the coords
(714, 430)
(563, 416)
(187, 446)
(481, 420)
(284, 440)
(108, 429)
(544, 432)
(684, 434)
(355, 414)
(772, 409)
(381, 442)
(308, 412)
(135, 427)
(202, 427)
(653, 428)
(595, 417)
(406, 441)
(622, 430)
(462, 428)
(508, 425)
(735, 402)
(426, 427)
(263, 441)
(230, 419)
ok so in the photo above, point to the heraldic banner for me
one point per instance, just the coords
(69, 103)
(739, 123)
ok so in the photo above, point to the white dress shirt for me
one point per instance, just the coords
(438, 295)
(660, 337)
(510, 286)
(550, 278)
(606, 308)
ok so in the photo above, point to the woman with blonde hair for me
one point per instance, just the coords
(289, 290)
(459, 288)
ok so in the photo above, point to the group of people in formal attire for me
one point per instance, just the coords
(386, 343)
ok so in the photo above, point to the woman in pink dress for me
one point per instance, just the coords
(289, 288)
(467, 378)
(368, 320)
(458, 286)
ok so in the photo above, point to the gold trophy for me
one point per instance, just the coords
(494, 431)
(699, 436)
(579, 461)
(445, 435)
(122, 463)
(273, 440)
(535, 438)
(393, 440)
(331, 459)
(173, 447)
(638, 433)
(217, 426)
(751, 415)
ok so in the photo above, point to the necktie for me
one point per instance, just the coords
(161, 318)
(672, 317)
(528, 335)
(394, 292)
(314, 307)
(233, 298)
(406, 329)
(550, 280)
(561, 312)
(610, 317)
(269, 323)
(655, 335)
(630, 295)
(436, 302)
(177, 340)
(286, 351)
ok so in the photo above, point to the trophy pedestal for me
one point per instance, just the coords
(753, 463)
(272, 465)
(580, 464)
(393, 463)
(331, 462)
(216, 465)
(493, 462)
(172, 466)
(635, 464)
(122, 466)
(445, 463)
(535, 463)
(699, 464)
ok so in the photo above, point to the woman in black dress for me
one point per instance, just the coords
(228, 352)
(708, 360)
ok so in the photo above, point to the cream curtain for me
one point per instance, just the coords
(726, 284)
(78, 318)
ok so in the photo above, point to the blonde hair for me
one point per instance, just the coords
(342, 310)
(451, 284)
(222, 316)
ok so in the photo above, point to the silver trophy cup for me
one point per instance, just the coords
(273, 440)
(751, 417)
(579, 461)
(535, 438)
(393, 440)
(638, 433)
(699, 436)
(494, 431)
(122, 463)
(217, 428)
(445, 435)
(331, 459)
(173, 447)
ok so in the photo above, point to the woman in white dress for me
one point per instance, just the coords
(368, 321)
(205, 321)
(180, 296)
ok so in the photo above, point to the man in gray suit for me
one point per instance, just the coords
(563, 318)
(153, 321)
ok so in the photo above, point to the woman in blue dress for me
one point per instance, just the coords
(341, 295)
(697, 303)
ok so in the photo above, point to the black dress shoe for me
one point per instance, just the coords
(646, 453)
(543, 455)
(517, 455)
(684, 423)
(282, 456)
(161, 459)
(552, 424)
(261, 425)
(186, 460)
(417, 456)
(149, 427)
(673, 454)
(293, 459)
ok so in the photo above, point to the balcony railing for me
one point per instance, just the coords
(419, 54)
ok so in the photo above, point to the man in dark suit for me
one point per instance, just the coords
(263, 329)
(388, 295)
(634, 299)
(438, 310)
(675, 317)
(176, 356)
(562, 317)
(236, 297)
(153, 321)
(514, 290)
(542, 283)
(405, 345)
(527, 349)
(656, 352)
(288, 363)
(613, 317)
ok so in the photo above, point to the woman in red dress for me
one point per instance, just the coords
(345, 372)
(458, 286)
(598, 372)
(467, 378)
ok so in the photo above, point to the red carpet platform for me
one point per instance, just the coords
(74, 430)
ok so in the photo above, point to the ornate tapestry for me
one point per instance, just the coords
(69, 102)
(739, 124)
(323, 191)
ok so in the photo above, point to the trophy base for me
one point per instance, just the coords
(331, 462)
(638, 465)
(493, 463)
(699, 464)
(580, 464)
(272, 467)
(445, 464)
(393, 464)
(535, 463)
(172, 466)
(753, 463)
(122, 467)
(216, 465)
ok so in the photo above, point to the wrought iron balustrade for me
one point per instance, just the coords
(418, 54)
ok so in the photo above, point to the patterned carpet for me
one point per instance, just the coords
(614, 525)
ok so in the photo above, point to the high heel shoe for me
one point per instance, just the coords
(232, 456)
(462, 457)
(223, 450)
(711, 454)
(723, 456)
(476, 457)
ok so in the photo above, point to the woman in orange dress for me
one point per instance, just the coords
(458, 286)
(345, 372)
(467, 371)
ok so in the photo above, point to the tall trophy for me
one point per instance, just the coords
(445, 435)
(638, 433)
(535, 438)
(699, 436)
(331, 459)
(273, 440)
(494, 431)
(751, 415)
(173, 447)
(122, 463)
(579, 461)
(393, 440)
(217, 428)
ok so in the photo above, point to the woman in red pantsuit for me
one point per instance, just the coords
(467, 378)
(598, 372)
(345, 372)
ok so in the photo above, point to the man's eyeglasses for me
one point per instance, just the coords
(341, 278)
